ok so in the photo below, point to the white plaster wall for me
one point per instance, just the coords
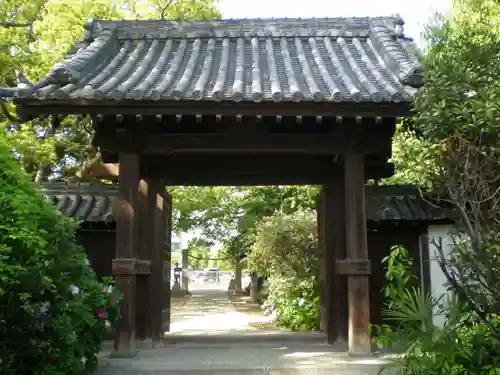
(438, 280)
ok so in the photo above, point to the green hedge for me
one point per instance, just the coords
(53, 310)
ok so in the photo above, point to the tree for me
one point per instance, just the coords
(256, 204)
(174, 9)
(36, 34)
(199, 253)
(285, 249)
(413, 159)
(458, 113)
(55, 312)
(53, 27)
(286, 245)
(451, 147)
(230, 215)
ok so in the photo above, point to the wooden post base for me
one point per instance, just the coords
(359, 322)
(121, 353)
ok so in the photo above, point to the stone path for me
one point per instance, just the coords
(210, 337)
(210, 312)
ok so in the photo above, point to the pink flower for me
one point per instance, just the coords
(100, 314)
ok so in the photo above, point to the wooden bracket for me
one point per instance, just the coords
(131, 267)
(351, 267)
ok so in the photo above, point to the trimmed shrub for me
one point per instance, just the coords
(54, 312)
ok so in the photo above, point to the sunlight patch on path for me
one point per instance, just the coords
(211, 312)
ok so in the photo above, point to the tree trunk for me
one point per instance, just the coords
(254, 286)
(44, 170)
(237, 275)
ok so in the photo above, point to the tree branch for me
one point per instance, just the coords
(8, 24)
(44, 169)
(13, 119)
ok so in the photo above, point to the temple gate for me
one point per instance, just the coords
(237, 102)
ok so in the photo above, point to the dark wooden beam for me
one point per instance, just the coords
(213, 124)
(321, 230)
(157, 241)
(110, 171)
(333, 193)
(127, 251)
(288, 169)
(143, 300)
(318, 144)
(167, 238)
(251, 137)
(244, 163)
(238, 179)
(34, 107)
(357, 249)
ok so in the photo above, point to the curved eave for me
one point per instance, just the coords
(30, 108)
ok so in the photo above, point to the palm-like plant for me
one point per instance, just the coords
(425, 347)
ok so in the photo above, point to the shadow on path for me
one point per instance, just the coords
(210, 337)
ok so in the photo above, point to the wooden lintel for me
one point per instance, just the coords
(270, 143)
(236, 171)
(351, 267)
(288, 175)
(131, 267)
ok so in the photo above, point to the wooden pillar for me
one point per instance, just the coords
(334, 242)
(157, 239)
(320, 219)
(145, 244)
(237, 275)
(167, 247)
(125, 265)
(357, 264)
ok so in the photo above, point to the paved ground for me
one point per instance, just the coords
(208, 336)
(210, 312)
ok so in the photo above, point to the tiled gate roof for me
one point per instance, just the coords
(85, 202)
(95, 203)
(322, 60)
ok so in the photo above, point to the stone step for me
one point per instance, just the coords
(249, 337)
(337, 370)
(238, 358)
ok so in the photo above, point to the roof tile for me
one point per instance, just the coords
(338, 59)
(97, 203)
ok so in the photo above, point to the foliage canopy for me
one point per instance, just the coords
(54, 312)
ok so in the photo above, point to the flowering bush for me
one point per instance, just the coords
(286, 250)
(293, 303)
(53, 310)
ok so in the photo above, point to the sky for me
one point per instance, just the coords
(415, 13)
